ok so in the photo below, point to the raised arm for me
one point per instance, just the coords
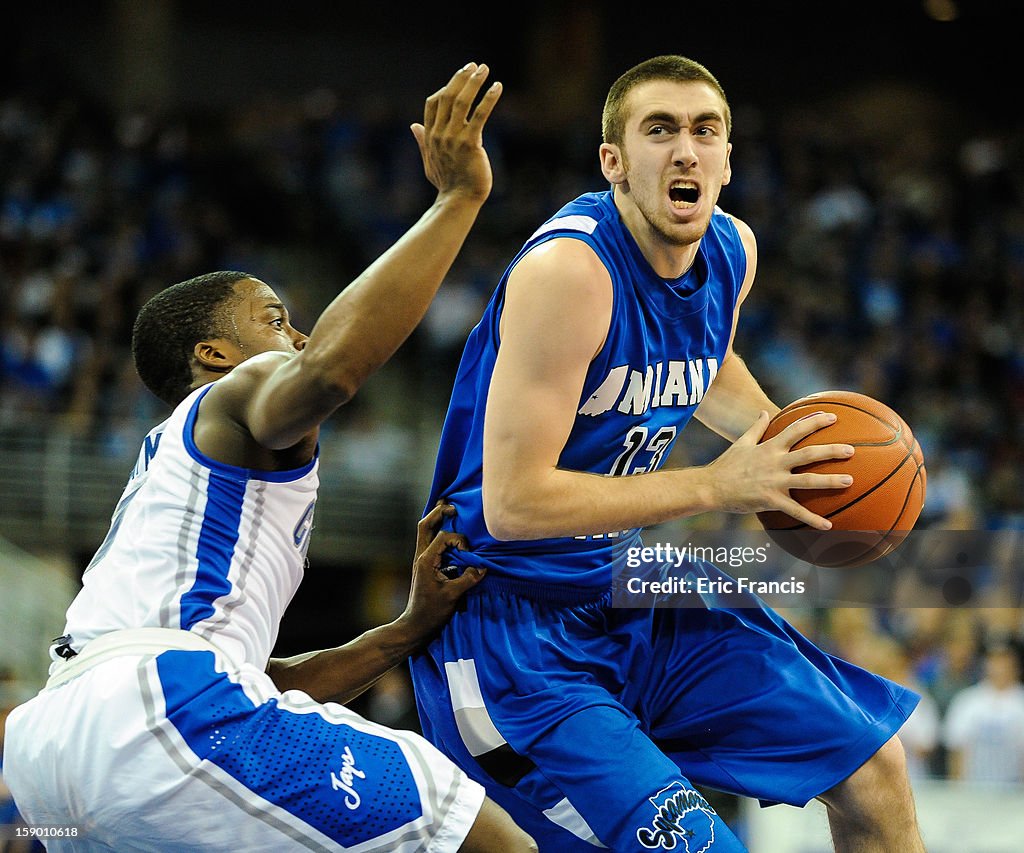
(374, 315)
(555, 318)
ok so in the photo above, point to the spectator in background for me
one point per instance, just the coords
(984, 728)
(920, 733)
(94, 205)
(98, 209)
(953, 661)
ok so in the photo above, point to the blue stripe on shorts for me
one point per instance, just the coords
(350, 785)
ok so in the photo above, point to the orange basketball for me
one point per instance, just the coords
(871, 517)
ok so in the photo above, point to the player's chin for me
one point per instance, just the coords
(688, 229)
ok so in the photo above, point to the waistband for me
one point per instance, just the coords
(131, 641)
(548, 593)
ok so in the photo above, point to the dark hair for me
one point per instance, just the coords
(677, 68)
(170, 325)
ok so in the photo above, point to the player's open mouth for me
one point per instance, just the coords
(683, 194)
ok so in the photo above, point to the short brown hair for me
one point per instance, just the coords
(669, 67)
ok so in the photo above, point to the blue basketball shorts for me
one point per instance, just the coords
(592, 724)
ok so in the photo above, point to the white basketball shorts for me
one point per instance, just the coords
(175, 749)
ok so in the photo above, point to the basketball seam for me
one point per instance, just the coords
(859, 498)
(852, 562)
(906, 500)
(794, 408)
(917, 476)
(896, 428)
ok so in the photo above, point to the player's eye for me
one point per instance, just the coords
(279, 322)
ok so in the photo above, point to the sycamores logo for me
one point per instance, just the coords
(683, 815)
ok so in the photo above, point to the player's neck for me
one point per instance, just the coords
(668, 258)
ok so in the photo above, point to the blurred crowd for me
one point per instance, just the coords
(891, 262)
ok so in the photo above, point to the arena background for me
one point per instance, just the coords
(878, 154)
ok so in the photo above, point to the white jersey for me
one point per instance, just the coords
(163, 733)
(198, 545)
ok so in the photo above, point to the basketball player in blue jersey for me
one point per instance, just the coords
(164, 725)
(610, 329)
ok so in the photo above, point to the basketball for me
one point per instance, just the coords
(871, 517)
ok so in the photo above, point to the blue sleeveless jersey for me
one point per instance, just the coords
(665, 343)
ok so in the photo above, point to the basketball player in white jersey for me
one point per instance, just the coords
(165, 725)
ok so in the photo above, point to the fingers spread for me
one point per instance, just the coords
(820, 481)
(462, 103)
(430, 108)
(454, 103)
(803, 427)
(448, 95)
(820, 453)
(755, 430)
(801, 513)
(484, 108)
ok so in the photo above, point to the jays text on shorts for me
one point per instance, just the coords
(166, 749)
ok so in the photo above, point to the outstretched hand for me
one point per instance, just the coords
(754, 476)
(433, 595)
(451, 135)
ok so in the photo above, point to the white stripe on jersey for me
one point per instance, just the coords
(578, 222)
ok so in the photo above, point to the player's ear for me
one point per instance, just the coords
(612, 166)
(727, 174)
(217, 354)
